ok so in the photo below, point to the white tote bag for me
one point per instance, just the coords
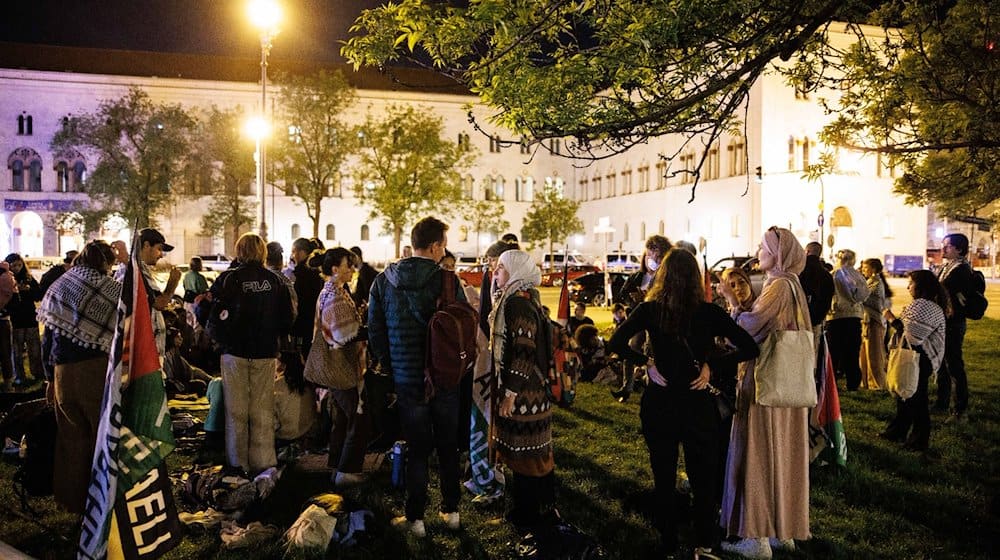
(785, 370)
(904, 369)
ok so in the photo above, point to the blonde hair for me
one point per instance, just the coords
(847, 257)
(250, 248)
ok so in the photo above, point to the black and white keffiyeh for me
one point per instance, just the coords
(923, 324)
(82, 305)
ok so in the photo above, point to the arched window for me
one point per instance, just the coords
(642, 231)
(331, 232)
(625, 232)
(35, 176)
(365, 232)
(498, 185)
(62, 177)
(20, 161)
(296, 231)
(488, 188)
(468, 184)
(661, 227)
(17, 175)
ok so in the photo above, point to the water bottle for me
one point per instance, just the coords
(398, 457)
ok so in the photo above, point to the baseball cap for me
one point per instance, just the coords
(151, 236)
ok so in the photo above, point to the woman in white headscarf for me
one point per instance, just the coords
(766, 497)
(523, 435)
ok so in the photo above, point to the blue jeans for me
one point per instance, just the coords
(426, 426)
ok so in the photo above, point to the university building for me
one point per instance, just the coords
(749, 182)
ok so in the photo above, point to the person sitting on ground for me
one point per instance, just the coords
(579, 318)
(182, 378)
(618, 313)
(590, 349)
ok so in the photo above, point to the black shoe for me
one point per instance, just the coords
(621, 395)
(889, 436)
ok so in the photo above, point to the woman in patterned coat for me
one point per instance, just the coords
(523, 436)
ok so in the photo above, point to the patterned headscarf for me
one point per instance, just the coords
(789, 256)
(524, 275)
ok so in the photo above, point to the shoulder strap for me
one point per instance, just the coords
(799, 319)
(447, 288)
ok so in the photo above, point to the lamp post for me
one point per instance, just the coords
(258, 129)
(604, 227)
(265, 15)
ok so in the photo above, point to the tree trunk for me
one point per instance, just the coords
(397, 234)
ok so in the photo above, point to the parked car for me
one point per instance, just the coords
(622, 262)
(554, 261)
(463, 262)
(555, 277)
(473, 275)
(218, 263)
(589, 288)
(748, 263)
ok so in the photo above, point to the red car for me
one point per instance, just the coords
(473, 275)
(555, 277)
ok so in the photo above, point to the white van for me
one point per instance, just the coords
(622, 262)
(556, 260)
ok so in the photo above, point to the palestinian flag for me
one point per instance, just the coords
(826, 426)
(130, 511)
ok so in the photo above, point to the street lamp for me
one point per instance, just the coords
(258, 129)
(604, 227)
(265, 15)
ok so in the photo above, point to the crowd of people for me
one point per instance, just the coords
(292, 348)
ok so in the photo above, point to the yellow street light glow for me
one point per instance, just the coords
(257, 128)
(264, 14)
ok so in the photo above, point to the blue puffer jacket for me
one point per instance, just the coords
(400, 305)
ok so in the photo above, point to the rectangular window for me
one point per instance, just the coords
(612, 185)
(627, 182)
(597, 187)
(661, 174)
(582, 189)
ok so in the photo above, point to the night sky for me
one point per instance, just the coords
(311, 29)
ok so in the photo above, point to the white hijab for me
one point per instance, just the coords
(523, 275)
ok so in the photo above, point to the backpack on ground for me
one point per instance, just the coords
(451, 338)
(35, 474)
(975, 299)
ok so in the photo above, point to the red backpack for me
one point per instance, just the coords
(451, 339)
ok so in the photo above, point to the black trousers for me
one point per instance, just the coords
(913, 411)
(844, 338)
(953, 368)
(532, 500)
(689, 418)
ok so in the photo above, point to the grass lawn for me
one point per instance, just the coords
(888, 503)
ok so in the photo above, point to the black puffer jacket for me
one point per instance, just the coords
(264, 310)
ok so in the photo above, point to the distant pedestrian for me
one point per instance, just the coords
(195, 284)
(873, 354)
(843, 323)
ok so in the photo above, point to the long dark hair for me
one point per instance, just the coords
(678, 289)
(876, 266)
(21, 275)
(926, 286)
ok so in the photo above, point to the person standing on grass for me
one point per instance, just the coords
(23, 322)
(195, 284)
(766, 498)
(817, 283)
(523, 436)
(400, 305)
(873, 328)
(264, 314)
(80, 314)
(843, 324)
(923, 323)
(676, 408)
(338, 324)
(956, 277)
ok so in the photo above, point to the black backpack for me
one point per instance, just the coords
(975, 299)
(35, 474)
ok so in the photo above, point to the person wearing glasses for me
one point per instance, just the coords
(843, 324)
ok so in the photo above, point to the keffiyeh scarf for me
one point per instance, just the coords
(82, 305)
(337, 315)
(923, 325)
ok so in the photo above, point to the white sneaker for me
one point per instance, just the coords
(786, 544)
(758, 549)
(451, 520)
(348, 479)
(415, 527)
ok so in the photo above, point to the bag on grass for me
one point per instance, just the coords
(904, 369)
(35, 474)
